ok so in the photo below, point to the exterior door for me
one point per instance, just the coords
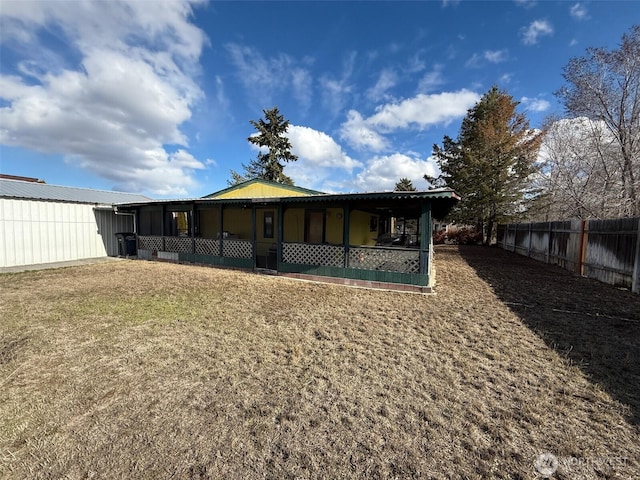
(314, 231)
(266, 235)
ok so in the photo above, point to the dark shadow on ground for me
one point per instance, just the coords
(594, 325)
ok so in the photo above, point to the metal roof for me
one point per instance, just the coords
(395, 195)
(438, 193)
(42, 191)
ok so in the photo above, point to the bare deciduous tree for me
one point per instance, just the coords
(579, 174)
(604, 86)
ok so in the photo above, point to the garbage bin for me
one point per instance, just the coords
(126, 244)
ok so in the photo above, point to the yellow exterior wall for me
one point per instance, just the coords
(294, 225)
(334, 226)
(359, 233)
(209, 222)
(237, 221)
(261, 190)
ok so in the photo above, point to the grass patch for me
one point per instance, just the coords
(154, 370)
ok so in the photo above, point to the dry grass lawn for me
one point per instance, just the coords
(150, 370)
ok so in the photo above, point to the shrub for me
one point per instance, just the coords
(463, 235)
(439, 237)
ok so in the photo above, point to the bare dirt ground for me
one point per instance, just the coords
(149, 370)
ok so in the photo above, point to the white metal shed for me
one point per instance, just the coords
(41, 223)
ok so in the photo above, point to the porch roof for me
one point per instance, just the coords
(398, 202)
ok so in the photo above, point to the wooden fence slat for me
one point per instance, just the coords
(635, 284)
(607, 250)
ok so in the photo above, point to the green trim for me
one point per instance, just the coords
(216, 260)
(238, 186)
(425, 237)
(280, 235)
(346, 231)
(356, 274)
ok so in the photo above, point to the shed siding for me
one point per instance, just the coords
(34, 232)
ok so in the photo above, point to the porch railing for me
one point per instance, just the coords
(205, 246)
(312, 254)
(151, 242)
(237, 248)
(178, 244)
(391, 259)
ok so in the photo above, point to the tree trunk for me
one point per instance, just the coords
(490, 223)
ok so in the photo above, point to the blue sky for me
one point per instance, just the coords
(156, 97)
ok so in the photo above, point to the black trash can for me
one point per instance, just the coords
(126, 244)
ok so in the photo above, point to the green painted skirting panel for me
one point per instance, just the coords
(215, 260)
(356, 274)
(339, 272)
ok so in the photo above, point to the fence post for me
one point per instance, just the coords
(583, 248)
(529, 246)
(635, 282)
(549, 243)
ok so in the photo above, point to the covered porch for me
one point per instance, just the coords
(372, 238)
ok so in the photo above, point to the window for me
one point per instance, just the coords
(267, 231)
(178, 224)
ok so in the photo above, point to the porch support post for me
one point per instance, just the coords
(425, 238)
(254, 236)
(193, 227)
(345, 232)
(280, 235)
(136, 222)
(220, 229)
(163, 209)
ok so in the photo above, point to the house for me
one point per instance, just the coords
(42, 223)
(297, 232)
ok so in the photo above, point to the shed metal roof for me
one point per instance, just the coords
(42, 191)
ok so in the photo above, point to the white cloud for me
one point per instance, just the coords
(579, 11)
(319, 156)
(114, 108)
(535, 104)
(386, 80)
(473, 62)
(264, 77)
(492, 56)
(495, 56)
(506, 78)
(431, 79)
(382, 172)
(302, 84)
(360, 135)
(416, 63)
(423, 110)
(418, 112)
(336, 90)
(317, 149)
(536, 29)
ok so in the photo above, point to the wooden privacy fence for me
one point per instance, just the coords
(607, 250)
